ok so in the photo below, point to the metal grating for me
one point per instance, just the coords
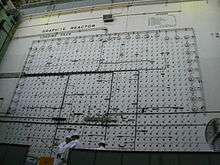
(137, 90)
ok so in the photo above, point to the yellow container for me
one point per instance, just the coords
(46, 161)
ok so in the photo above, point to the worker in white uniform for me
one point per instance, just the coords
(75, 143)
(102, 145)
(71, 141)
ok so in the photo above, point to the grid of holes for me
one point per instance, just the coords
(168, 81)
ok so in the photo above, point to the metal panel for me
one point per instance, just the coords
(38, 96)
(170, 159)
(143, 158)
(13, 154)
(136, 158)
(38, 136)
(79, 158)
(3, 151)
(108, 158)
(214, 159)
(136, 90)
(192, 159)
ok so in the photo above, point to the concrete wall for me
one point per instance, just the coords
(203, 16)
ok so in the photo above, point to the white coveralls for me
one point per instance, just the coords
(63, 151)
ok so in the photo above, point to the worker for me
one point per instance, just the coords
(71, 141)
(75, 143)
(102, 145)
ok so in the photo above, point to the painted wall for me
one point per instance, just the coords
(202, 16)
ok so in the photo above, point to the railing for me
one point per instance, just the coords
(97, 157)
(44, 6)
(13, 154)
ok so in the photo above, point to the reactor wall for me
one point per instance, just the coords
(148, 81)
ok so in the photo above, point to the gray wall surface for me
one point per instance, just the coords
(89, 72)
